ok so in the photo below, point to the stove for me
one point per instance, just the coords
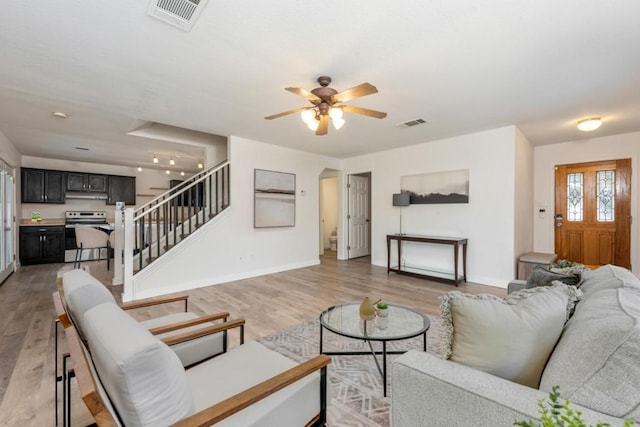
(73, 219)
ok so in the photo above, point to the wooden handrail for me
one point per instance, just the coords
(240, 401)
(187, 323)
(220, 327)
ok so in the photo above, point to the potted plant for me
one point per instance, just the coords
(556, 413)
(382, 309)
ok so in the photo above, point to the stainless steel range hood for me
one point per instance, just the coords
(85, 195)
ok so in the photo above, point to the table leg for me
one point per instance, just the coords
(424, 341)
(384, 367)
(455, 263)
(321, 338)
(464, 262)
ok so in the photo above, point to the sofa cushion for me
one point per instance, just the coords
(511, 337)
(596, 362)
(607, 277)
(245, 366)
(542, 277)
(144, 379)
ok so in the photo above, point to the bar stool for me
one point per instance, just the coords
(89, 238)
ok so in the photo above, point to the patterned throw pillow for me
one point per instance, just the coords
(543, 277)
(511, 338)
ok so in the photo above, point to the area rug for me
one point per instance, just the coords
(355, 383)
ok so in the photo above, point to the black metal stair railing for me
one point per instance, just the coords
(171, 217)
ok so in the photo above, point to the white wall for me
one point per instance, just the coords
(623, 146)
(229, 248)
(145, 181)
(524, 206)
(487, 221)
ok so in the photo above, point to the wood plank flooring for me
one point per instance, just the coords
(268, 303)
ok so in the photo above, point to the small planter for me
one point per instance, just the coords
(382, 310)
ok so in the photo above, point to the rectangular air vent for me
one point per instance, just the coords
(411, 123)
(179, 13)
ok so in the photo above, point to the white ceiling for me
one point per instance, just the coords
(462, 65)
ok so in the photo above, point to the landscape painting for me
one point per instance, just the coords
(274, 203)
(440, 187)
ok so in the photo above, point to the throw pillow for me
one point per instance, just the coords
(543, 277)
(511, 338)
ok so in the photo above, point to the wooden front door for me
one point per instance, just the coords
(593, 212)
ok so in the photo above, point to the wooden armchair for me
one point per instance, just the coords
(139, 381)
(192, 337)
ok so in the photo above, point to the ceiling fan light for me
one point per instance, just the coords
(313, 124)
(336, 114)
(587, 125)
(307, 115)
(337, 123)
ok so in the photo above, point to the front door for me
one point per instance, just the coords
(593, 212)
(358, 216)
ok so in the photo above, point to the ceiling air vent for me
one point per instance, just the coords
(412, 123)
(179, 13)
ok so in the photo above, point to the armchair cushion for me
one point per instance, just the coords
(142, 376)
(83, 298)
(512, 337)
(238, 370)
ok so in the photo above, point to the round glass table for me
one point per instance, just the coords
(401, 323)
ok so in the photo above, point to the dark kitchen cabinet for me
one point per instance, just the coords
(121, 189)
(42, 186)
(40, 245)
(86, 182)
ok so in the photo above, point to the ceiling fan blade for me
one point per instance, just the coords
(323, 126)
(364, 111)
(363, 89)
(303, 93)
(286, 113)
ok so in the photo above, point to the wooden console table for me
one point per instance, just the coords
(451, 277)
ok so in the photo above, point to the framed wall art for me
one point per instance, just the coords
(274, 201)
(439, 187)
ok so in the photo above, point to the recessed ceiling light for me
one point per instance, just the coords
(60, 114)
(587, 125)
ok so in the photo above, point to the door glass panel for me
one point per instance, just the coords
(606, 196)
(575, 199)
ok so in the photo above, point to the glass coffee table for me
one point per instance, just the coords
(400, 324)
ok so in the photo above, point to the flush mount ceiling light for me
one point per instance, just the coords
(60, 114)
(587, 125)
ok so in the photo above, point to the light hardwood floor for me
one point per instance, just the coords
(268, 303)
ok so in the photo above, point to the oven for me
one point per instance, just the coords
(72, 219)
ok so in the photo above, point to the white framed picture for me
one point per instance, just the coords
(274, 202)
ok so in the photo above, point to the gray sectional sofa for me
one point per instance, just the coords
(596, 363)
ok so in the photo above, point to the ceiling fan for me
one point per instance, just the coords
(327, 105)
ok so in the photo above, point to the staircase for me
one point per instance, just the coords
(144, 235)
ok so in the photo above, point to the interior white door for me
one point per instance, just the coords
(6, 219)
(358, 216)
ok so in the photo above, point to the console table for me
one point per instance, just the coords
(451, 277)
